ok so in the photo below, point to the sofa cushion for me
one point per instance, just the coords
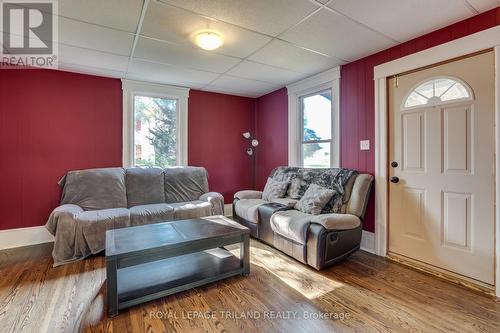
(248, 209)
(94, 224)
(274, 189)
(291, 224)
(144, 186)
(337, 221)
(95, 189)
(314, 199)
(191, 209)
(148, 214)
(184, 184)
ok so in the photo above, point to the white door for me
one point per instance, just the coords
(441, 145)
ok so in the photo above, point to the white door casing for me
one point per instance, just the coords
(441, 212)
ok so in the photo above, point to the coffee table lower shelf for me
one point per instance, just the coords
(149, 281)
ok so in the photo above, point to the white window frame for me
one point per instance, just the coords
(136, 88)
(470, 93)
(329, 79)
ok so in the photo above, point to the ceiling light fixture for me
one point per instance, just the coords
(208, 40)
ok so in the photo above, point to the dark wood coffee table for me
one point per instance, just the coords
(151, 261)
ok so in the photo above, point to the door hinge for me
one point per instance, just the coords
(396, 80)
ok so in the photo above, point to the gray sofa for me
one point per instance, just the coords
(317, 240)
(96, 200)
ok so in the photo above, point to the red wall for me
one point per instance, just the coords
(215, 141)
(357, 103)
(358, 93)
(52, 122)
(271, 129)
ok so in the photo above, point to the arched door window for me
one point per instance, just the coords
(437, 91)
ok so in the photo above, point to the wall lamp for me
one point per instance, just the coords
(254, 142)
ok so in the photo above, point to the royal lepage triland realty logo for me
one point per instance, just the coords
(29, 34)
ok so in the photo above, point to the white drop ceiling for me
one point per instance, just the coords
(268, 43)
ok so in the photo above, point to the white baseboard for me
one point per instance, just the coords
(368, 241)
(11, 238)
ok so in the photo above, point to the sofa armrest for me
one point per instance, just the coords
(359, 195)
(216, 200)
(337, 221)
(248, 194)
(67, 211)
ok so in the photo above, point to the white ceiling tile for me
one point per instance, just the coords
(118, 14)
(337, 36)
(90, 70)
(255, 71)
(147, 71)
(269, 17)
(232, 92)
(183, 56)
(484, 5)
(285, 55)
(178, 25)
(251, 87)
(404, 20)
(78, 56)
(91, 36)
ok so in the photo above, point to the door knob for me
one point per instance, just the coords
(394, 164)
(394, 180)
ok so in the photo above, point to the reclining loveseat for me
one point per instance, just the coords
(315, 234)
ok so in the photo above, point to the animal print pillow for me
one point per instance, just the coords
(274, 189)
(315, 198)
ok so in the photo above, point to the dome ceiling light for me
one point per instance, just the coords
(208, 40)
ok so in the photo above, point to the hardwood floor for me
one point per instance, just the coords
(364, 293)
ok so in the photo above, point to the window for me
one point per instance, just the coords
(316, 112)
(313, 122)
(436, 91)
(155, 138)
(155, 125)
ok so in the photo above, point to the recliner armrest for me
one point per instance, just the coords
(216, 200)
(248, 194)
(337, 221)
(359, 195)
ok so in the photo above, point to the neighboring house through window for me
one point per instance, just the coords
(155, 124)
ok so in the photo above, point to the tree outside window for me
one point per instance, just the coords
(155, 131)
(317, 129)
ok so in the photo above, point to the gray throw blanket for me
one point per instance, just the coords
(336, 179)
(97, 200)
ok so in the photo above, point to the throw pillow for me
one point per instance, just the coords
(315, 198)
(294, 188)
(274, 189)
